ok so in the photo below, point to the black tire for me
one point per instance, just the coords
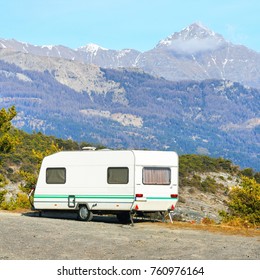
(84, 214)
(123, 217)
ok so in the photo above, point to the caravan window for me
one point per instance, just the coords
(55, 175)
(156, 176)
(117, 175)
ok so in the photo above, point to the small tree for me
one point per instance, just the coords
(7, 141)
(244, 204)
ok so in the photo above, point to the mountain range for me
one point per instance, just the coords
(190, 94)
(194, 53)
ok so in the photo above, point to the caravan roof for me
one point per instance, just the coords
(113, 157)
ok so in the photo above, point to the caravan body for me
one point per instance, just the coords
(108, 181)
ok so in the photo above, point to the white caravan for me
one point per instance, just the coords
(107, 181)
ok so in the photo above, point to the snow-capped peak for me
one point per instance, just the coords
(197, 31)
(194, 38)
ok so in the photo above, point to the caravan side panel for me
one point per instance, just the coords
(89, 180)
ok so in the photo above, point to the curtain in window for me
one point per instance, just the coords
(156, 176)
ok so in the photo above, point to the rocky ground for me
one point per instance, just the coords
(194, 204)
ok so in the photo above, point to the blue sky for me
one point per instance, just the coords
(118, 24)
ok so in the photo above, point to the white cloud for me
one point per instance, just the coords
(195, 45)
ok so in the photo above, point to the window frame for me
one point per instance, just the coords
(117, 183)
(156, 168)
(52, 182)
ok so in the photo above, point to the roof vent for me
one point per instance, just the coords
(88, 148)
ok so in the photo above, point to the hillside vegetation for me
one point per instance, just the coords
(132, 109)
(21, 155)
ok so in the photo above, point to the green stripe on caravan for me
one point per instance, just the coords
(101, 197)
(85, 196)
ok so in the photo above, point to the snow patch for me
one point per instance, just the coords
(49, 47)
(91, 48)
(123, 53)
(3, 46)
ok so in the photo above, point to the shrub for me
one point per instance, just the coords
(207, 221)
(222, 178)
(209, 185)
(248, 172)
(20, 202)
(3, 181)
(244, 204)
(10, 205)
(2, 196)
(199, 163)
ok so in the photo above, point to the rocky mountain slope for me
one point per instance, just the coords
(194, 53)
(122, 108)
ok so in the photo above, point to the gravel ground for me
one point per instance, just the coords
(60, 237)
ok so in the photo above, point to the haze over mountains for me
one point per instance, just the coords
(190, 93)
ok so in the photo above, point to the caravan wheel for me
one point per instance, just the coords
(84, 214)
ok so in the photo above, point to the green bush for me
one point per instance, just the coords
(20, 202)
(209, 185)
(3, 181)
(244, 204)
(248, 172)
(2, 196)
(201, 164)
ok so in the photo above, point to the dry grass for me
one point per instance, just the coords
(215, 228)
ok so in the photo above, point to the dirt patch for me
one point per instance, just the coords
(29, 237)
